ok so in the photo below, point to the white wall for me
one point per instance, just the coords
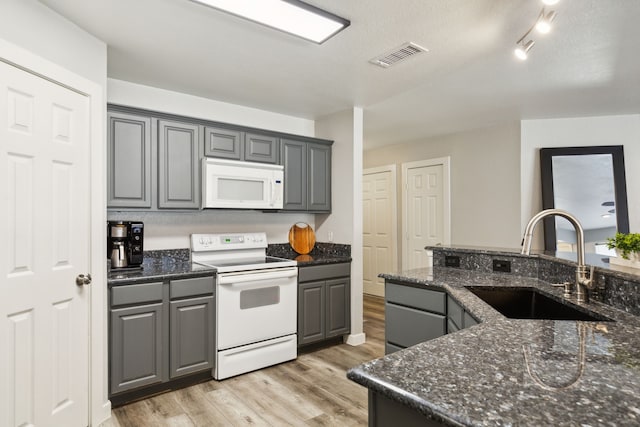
(578, 132)
(36, 28)
(171, 230)
(345, 221)
(135, 95)
(485, 190)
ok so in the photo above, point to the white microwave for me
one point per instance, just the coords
(231, 184)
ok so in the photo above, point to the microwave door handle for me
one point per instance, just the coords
(273, 193)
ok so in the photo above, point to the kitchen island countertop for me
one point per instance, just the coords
(513, 371)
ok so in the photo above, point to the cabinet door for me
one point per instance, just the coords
(319, 178)
(294, 158)
(129, 161)
(192, 334)
(338, 308)
(261, 148)
(311, 312)
(224, 143)
(138, 347)
(178, 166)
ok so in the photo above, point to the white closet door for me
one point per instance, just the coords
(44, 223)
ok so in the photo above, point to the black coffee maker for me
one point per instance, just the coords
(125, 244)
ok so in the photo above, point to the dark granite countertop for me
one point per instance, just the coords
(514, 372)
(160, 265)
(322, 253)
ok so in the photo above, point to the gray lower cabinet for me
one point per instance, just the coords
(178, 165)
(160, 331)
(138, 345)
(457, 317)
(412, 315)
(384, 412)
(128, 161)
(307, 175)
(324, 302)
(192, 335)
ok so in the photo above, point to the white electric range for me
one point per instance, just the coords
(256, 301)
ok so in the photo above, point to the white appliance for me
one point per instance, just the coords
(241, 185)
(256, 301)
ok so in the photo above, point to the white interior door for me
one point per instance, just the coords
(378, 227)
(426, 210)
(45, 220)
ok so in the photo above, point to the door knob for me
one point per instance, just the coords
(81, 279)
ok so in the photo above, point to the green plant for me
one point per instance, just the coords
(625, 243)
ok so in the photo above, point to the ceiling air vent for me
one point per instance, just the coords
(398, 54)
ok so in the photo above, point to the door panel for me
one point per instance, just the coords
(44, 158)
(379, 237)
(424, 224)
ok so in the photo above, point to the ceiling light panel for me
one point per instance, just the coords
(291, 16)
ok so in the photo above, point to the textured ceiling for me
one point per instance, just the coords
(469, 78)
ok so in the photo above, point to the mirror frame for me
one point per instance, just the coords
(619, 182)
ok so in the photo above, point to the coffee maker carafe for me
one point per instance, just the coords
(125, 244)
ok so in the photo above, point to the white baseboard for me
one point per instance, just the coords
(356, 339)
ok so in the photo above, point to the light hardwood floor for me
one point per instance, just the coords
(311, 390)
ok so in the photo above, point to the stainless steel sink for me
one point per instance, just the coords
(528, 303)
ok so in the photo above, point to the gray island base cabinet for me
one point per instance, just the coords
(414, 314)
(324, 310)
(159, 332)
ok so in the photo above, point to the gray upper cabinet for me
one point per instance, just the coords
(224, 143)
(129, 161)
(261, 148)
(318, 177)
(178, 165)
(294, 158)
(307, 176)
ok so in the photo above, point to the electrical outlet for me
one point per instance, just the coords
(502, 266)
(451, 261)
(330, 236)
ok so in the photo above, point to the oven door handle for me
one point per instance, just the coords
(228, 279)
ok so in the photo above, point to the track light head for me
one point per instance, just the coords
(544, 23)
(522, 51)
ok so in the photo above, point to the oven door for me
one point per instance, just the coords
(255, 306)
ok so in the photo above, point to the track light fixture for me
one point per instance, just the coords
(542, 25)
(522, 51)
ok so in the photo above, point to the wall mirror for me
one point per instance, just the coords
(588, 182)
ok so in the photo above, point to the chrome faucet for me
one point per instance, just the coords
(584, 281)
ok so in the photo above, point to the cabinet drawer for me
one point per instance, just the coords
(406, 326)
(136, 294)
(455, 312)
(191, 287)
(322, 272)
(424, 299)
